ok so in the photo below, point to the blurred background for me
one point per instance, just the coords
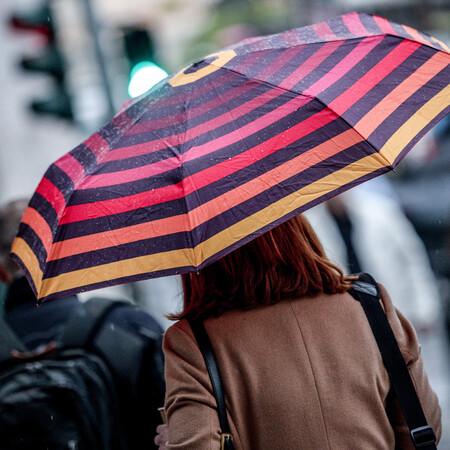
(69, 65)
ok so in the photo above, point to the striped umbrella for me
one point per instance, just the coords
(230, 147)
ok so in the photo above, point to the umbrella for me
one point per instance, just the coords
(230, 147)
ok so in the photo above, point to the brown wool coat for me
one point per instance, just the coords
(303, 374)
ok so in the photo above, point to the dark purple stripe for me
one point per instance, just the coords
(45, 209)
(163, 94)
(212, 227)
(163, 91)
(85, 157)
(216, 108)
(274, 41)
(339, 28)
(358, 71)
(219, 92)
(388, 84)
(370, 25)
(166, 97)
(204, 162)
(282, 190)
(229, 127)
(204, 194)
(32, 239)
(61, 180)
(308, 35)
(290, 215)
(115, 282)
(117, 253)
(323, 69)
(117, 221)
(420, 135)
(390, 125)
(400, 30)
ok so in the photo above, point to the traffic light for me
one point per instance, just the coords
(144, 72)
(49, 61)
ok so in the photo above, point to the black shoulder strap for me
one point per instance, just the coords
(84, 323)
(211, 364)
(120, 348)
(9, 341)
(367, 292)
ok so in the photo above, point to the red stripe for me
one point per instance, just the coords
(291, 37)
(373, 76)
(156, 124)
(174, 98)
(279, 62)
(384, 25)
(324, 31)
(354, 24)
(247, 130)
(53, 195)
(228, 139)
(97, 145)
(148, 170)
(190, 184)
(267, 72)
(123, 121)
(310, 64)
(71, 167)
(345, 65)
(418, 36)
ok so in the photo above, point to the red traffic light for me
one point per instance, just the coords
(37, 21)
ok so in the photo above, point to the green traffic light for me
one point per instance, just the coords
(144, 76)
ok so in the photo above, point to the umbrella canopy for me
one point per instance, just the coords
(230, 147)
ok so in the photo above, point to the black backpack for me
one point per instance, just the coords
(87, 391)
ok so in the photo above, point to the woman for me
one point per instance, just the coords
(299, 363)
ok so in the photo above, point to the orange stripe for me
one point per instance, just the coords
(121, 236)
(288, 204)
(207, 210)
(40, 226)
(416, 35)
(217, 243)
(402, 92)
(415, 124)
(273, 177)
(21, 249)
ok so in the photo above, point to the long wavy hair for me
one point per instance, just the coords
(285, 262)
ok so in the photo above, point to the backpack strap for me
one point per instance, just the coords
(367, 292)
(9, 341)
(85, 322)
(122, 350)
(203, 341)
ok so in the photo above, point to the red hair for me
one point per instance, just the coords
(285, 262)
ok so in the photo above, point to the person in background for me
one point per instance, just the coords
(365, 230)
(38, 326)
(299, 362)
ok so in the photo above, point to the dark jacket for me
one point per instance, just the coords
(39, 325)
